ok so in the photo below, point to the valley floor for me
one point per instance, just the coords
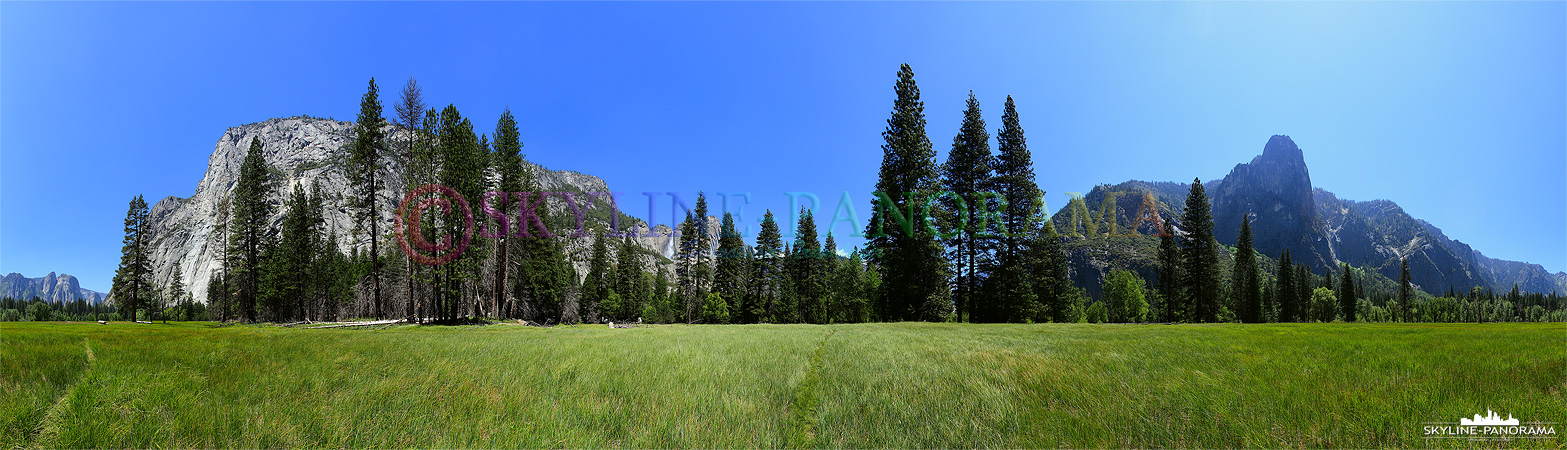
(870, 385)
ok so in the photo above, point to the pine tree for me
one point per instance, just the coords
(1171, 294)
(1289, 306)
(767, 283)
(249, 228)
(1201, 255)
(899, 239)
(628, 279)
(730, 274)
(508, 154)
(1346, 294)
(1403, 289)
(1303, 292)
(132, 286)
(1021, 214)
(365, 160)
(966, 173)
(805, 269)
(1054, 295)
(1246, 280)
(599, 282)
(464, 162)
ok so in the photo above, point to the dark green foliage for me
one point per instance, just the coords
(1288, 294)
(732, 265)
(807, 272)
(1055, 299)
(463, 163)
(1404, 287)
(694, 263)
(599, 282)
(1172, 304)
(629, 281)
(1347, 294)
(1201, 256)
(1246, 281)
(1009, 289)
(905, 249)
(132, 286)
(248, 229)
(767, 281)
(966, 173)
(508, 162)
(365, 160)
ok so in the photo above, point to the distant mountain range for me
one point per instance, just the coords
(54, 288)
(1319, 229)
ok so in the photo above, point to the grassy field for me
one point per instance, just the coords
(872, 385)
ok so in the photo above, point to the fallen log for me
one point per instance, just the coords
(358, 324)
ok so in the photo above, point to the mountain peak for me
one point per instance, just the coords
(1282, 150)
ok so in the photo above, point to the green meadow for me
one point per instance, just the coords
(900, 385)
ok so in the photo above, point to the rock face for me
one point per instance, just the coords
(305, 150)
(1318, 228)
(1275, 189)
(55, 289)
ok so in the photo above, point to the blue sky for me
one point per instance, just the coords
(1454, 110)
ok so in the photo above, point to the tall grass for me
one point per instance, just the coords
(871, 385)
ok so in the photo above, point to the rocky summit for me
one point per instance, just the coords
(1319, 229)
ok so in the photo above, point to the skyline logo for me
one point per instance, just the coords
(1491, 419)
(1490, 427)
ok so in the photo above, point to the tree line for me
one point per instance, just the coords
(968, 240)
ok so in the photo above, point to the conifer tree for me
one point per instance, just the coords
(1201, 256)
(508, 161)
(1303, 292)
(365, 160)
(464, 163)
(1054, 295)
(805, 269)
(730, 272)
(132, 280)
(628, 279)
(1346, 294)
(767, 281)
(1404, 296)
(899, 239)
(1021, 214)
(967, 172)
(599, 282)
(1289, 306)
(249, 227)
(1246, 280)
(1172, 304)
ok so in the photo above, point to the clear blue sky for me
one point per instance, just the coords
(1453, 110)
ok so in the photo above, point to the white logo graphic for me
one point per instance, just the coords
(1490, 419)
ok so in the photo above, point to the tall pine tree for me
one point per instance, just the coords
(1201, 256)
(900, 240)
(1246, 281)
(133, 279)
(966, 173)
(1289, 304)
(252, 209)
(365, 160)
(1022, 206)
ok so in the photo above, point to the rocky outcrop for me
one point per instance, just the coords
(60, 288)
(1275, 190)
(1317, 227)
(305, 150)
